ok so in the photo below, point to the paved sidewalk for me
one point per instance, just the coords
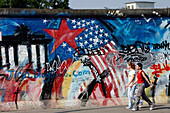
(160, 108)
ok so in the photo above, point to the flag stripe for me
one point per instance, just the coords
(111, 73)
(121, 78)
(95, 62)
(104, 64)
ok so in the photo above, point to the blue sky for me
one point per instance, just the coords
(111, 4)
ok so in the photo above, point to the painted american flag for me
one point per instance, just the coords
(115, 83)
(93, 36)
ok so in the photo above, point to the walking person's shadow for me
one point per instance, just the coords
(156, 107)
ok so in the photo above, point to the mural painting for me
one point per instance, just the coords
(80, 58)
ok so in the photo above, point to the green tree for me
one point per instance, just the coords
(19, 3)
(34, 3)
(4, 3)
(39, 4)
(57, 4)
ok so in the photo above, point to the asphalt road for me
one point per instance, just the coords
(161, 108)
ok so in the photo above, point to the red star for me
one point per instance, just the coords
(64, 34)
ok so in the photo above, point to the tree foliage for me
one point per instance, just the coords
(39, 4)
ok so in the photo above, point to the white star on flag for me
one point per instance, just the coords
(64, 45)
(92, 21)
(69, 49)
(74, 26)
(106, 34)
(91, 28)
(96, 32)
(81, 38)
(101, 35)
(91, 33)
(90, 46)
(81, 44)
(76, 38)
(83, 21)
(86, 30)
(105, 41)
(101, 42)
(86, 35)
(88, 23)
(97, 26)
(101, 30)
(45, 21)
(86, 42)
(91, 39)
(73, 21)
(78, 23)
(96, 40)
(83, 25)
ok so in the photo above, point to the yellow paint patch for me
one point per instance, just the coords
(39, 81)
(164, 92)
(68, 78)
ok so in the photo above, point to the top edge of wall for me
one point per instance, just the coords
(19, 12)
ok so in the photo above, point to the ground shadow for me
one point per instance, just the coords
(87, 109)
(156, 107)
(144, 108)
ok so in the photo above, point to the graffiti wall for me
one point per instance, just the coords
(80, 58)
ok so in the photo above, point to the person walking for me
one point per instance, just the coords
(141, 88)
(131, 90)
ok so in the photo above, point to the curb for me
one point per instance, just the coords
(47, 104)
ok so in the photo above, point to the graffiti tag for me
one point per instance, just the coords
(164, 45)
(134, 53)
(159, 69)
(137, 52)
(167, 55)
(80, 52)
(137, 48)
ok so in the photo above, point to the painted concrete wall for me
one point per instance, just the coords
(79, 59)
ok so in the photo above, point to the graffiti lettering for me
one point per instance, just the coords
(158, 68)
(53, 67)
(133, 58)
(57, 66)
(80, 52)
(163, 45)
(10, 76)
(167, 56)
(36, 75)
(56, 69)
(80, 73)
(134, 53)
(138, 48)
(17, 75)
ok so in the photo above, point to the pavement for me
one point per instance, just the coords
(160, 108)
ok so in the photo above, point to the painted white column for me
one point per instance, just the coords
(11, 57)
(22, 55)
(3, 55)
(42, 56)
(34, 56)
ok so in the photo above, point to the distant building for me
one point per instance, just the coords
(140, 5)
